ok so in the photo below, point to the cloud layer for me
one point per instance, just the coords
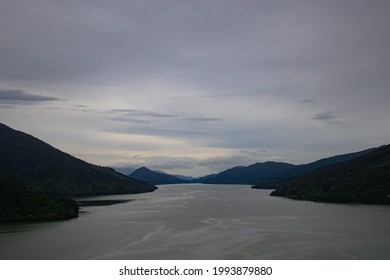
(20, 97)
(183, 83)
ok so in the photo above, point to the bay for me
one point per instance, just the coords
(196, 221)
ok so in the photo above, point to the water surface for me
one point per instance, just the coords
(194, 221)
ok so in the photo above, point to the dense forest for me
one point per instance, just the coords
(18, 203)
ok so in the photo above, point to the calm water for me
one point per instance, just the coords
(206, 222)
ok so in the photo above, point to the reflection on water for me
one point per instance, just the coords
(205, 222)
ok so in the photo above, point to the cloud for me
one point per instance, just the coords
(203, 119)
(330, 117)
(309, 101)
(125, 113)
(221, 74)
(6, 106)
(161, 131)
(83, 108)
(130, 120)
(143, 113)
(325, 116)
(20, 97)
(160, 124)
(138, 116)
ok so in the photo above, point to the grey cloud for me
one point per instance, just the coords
(330, 117)
(153, 114)
(136, 112)
(130, 120)
(146, 117)
(267, 46)
(137, 116)
(309, 101)
(54, 108)
(84, 109)
(162, 131)
(6, 106)
(203, 119)
(325, 116)
(199, 56)
(20, 97)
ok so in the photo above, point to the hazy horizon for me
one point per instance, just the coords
(197, 87)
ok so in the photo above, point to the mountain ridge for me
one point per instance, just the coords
(29, 161)
(154, 177)
(365, 179)
(247, 174)
(272, 181)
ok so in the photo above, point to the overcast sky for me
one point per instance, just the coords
(195, 87)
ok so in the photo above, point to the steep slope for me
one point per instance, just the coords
(365, 179)
(154, 177)
(248, 175)
(33, 163)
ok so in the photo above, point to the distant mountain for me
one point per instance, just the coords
(266, 175)
(33, 163)
(365, 179)
(205, 179)
(185, 178)
(272, 181)
(154, 177)
(248, 175)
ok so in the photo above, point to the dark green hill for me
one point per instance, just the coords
(19, 204)
(248, 174)
(365, 179)
(33, 163)
(155, 178)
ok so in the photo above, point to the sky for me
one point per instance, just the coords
(196, 87)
